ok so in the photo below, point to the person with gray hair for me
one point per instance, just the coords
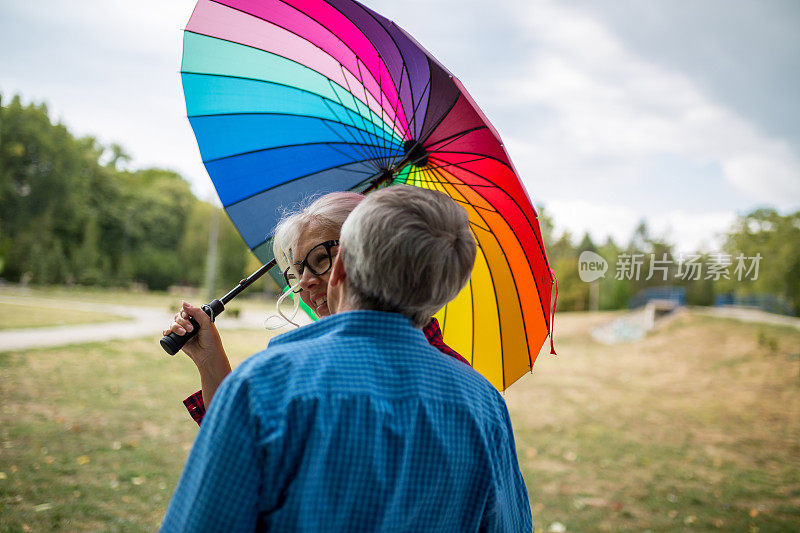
(407, 252)
(355, 422)
(305, 242)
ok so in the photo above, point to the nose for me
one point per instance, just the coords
(308, 280)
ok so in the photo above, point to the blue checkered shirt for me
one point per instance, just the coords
(353, 423)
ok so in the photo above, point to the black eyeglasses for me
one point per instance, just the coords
(318, 260)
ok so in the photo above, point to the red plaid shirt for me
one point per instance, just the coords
(197, 409)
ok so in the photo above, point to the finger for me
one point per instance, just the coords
(197, 313)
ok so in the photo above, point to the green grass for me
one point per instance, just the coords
(94, 437)
(694, 428)
(14, 316)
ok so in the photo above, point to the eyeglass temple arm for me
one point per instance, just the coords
(174, 342)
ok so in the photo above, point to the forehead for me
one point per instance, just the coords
(309, 237)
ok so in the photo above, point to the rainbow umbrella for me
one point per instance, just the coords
(290, 98)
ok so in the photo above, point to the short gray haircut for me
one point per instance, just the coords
(406, 250)
(326, 213)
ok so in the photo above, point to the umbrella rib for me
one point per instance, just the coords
(536, 237)
(330, 145)
(325, 121)
(364, 130)
(352, 94)
(397, 47)
(381, 138)
(359, 62)
(371, 178)
(423, 136)
(353, 144)
(494, 287)
(296, 34)
(426, 89)
(395, 120)
(416, 106)
(380, 90)
(407, 128)
(413, 122)
(462, 152)
(455, 137)
(324, 98)
(352, 188)
(435, 167)
(462, 201)
(358, 58)
(301, 178)
(361, 81)
(417, 142)
(215, 159)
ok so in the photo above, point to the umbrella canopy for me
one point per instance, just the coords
(290, 98)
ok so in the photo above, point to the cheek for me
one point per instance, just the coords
(304, 296)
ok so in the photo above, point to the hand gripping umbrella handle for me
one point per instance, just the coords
(173, 342)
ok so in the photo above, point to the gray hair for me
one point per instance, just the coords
(326, 213)
(406, 250)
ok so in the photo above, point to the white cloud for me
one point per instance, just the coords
(600, 221)
(693, 232)
(580, 114)
(610, 112)
(690, 232)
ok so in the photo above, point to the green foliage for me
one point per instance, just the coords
(764, 231)
(777, 239)
(70, 215)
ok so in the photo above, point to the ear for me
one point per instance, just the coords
(338, 273)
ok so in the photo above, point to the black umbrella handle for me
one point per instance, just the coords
(173, 342)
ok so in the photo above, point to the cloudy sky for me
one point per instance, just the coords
(683, 113)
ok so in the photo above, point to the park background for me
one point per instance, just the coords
(661, 132)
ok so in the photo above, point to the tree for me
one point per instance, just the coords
(776, 238)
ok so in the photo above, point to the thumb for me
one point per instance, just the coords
(196, 313)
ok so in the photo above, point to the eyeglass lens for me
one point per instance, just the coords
(318, 260)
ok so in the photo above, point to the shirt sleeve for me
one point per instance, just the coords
(508, 508)
(196, 406)
(220, 484)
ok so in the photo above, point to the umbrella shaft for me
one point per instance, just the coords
(248, 281)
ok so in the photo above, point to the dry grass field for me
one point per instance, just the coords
(694, 428)
(13, 316)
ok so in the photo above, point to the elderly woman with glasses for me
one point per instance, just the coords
(305, 244)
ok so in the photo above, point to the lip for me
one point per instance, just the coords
(322, 307)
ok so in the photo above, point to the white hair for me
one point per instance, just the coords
(406, 250)
(326, 213)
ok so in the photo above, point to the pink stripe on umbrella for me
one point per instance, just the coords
(349, 33)
(294, 21)
(215, 20)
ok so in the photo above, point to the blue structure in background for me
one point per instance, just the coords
(766, 302)
(672, 294)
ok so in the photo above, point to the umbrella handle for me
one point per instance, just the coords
(173, 342)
